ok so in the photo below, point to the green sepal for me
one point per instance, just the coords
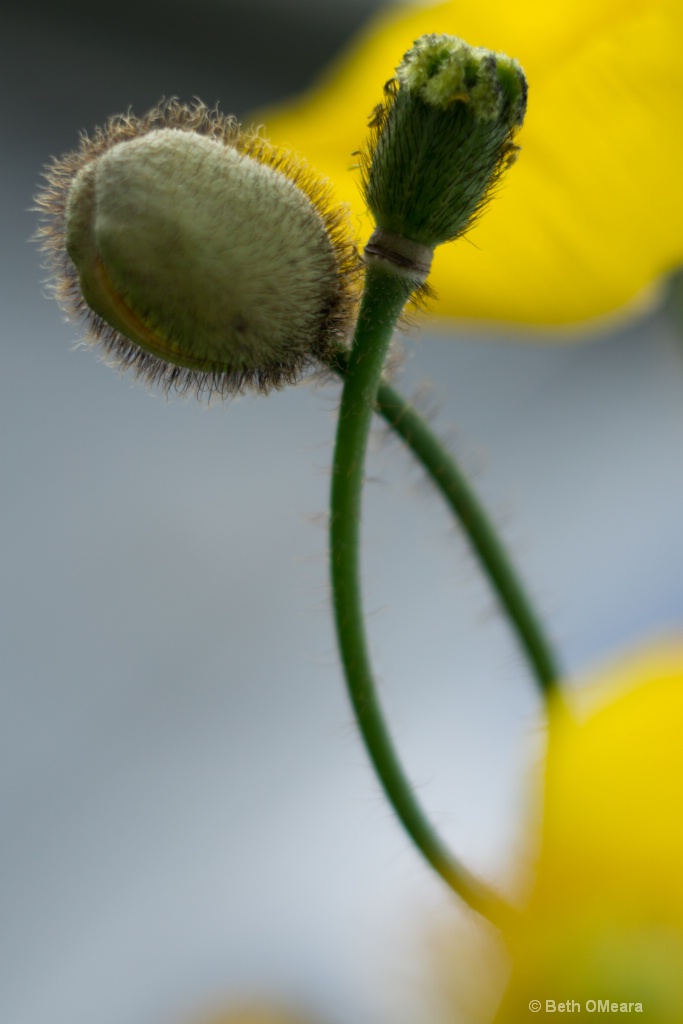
(442, 138)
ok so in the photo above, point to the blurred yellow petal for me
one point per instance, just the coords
(605, 918)
(592, 213)
(254, 1014)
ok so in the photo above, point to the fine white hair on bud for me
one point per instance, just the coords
(199, 255)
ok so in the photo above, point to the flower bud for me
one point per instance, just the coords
(440, 140)
(200, 256)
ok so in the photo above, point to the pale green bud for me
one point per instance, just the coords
(202, 257)
(440, 140)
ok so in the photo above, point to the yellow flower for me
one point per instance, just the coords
(604, 922)
(256, 1014)
(593, 214)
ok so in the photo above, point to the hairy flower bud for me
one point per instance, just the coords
(199, 255)
(440, 141)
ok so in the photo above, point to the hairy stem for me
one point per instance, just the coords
(383, 299)
(444, 472)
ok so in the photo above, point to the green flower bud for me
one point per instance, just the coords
(440, 141)
(201, 257)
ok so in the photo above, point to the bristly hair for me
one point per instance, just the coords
(126, 354)
(381, 121)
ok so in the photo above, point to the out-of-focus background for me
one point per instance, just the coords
(187, 813)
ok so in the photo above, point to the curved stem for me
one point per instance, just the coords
(450, 481)
(383, 300)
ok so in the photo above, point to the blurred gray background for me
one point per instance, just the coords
(187, 813)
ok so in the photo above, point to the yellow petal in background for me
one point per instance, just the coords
(605, 918)
(253, 1013)
(592, 213)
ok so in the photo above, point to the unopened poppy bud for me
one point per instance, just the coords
(200, 256)
(440, 140)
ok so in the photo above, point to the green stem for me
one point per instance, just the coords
(383, 299)
(447, 477)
